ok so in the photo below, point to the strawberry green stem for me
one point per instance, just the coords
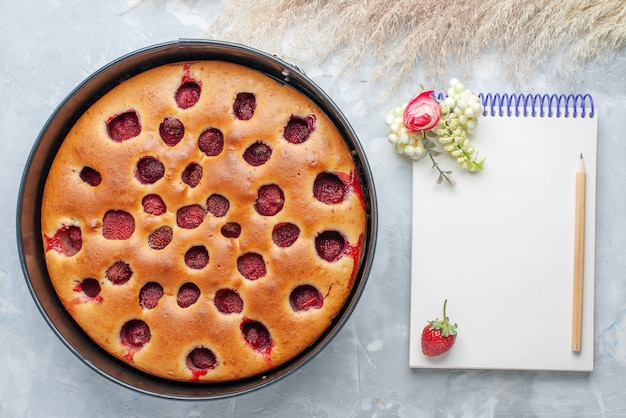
(444, 324)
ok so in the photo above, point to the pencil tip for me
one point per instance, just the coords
(581, 163)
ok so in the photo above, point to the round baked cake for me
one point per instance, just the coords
(203, 222)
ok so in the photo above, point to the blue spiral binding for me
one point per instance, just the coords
(542, 105)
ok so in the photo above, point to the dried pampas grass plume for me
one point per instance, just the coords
(404, 34)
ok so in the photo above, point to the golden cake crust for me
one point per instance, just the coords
(69, 200)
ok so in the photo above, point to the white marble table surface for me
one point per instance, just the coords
(49, 46)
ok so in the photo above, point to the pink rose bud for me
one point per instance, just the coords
(422, 113)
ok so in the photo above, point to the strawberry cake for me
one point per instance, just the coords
(203, 222)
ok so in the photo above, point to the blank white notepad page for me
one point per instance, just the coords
(499, 247)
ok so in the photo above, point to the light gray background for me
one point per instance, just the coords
(49, 46)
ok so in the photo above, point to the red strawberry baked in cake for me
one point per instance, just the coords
(203, 222)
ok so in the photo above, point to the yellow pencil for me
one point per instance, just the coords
(579, 253)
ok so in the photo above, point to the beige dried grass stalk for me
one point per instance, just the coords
(404, 34)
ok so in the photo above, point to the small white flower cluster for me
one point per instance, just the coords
(459, 113)
(464, 104)
(402, 141)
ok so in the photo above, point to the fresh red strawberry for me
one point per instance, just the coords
(438, 336)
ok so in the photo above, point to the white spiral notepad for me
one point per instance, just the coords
(500, 245)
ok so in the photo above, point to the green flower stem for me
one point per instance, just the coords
(428, 146)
